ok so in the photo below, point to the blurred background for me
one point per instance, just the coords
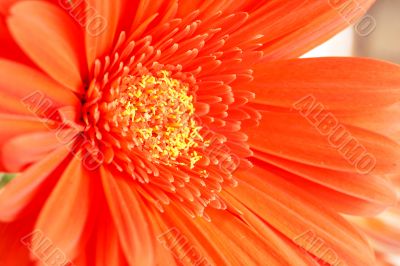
(377, 35)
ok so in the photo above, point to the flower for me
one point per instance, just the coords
(166, 132)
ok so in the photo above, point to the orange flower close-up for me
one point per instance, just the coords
(174, 132)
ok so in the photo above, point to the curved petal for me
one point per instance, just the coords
(342, 85)
(245, 246)
(106, 246)
(64, 216)
(101, 26)
(301, 218)
(310, 109)
(54, 48)
(130, 220)
(175, 231)
(313, 24)
(9, 48)
(10, 104)
(19, 192)
(282, 29)
(33, 89)
(163, 255)
(383, 230)
(384, 120)
(13, 126)
(342, 148)
(26, 149)
(351, 193)
(288, 251)
(213, 243)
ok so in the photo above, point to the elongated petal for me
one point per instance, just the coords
(343, 85)
(163, 255)
(9, 48)
(284, 248)
(65, 226)
(291, 136)
(13, 126)
(25, 149)
(21, 190)
(384, 233)
(196, 241)
(254, 252)
(55, 49)
(283, 29)
(33, 89)
(344, 191)
(298, 215)
(312, 24)
(133, 231)
(101, 27)
(108, 249)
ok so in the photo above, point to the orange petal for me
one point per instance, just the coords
(288, 251)
(247, 246)
(282, 29)
(298, 216)
(20, 191)
(384, 120)
(346, 192)
(55, 49)
(292, 137)
(343, 85)
(9, 48)
(383, 230)
(13, 126)
(175, 230)
(26, 149)
(28, 85)
(163, 255)
(101, 27)
(106, 247)
(311, 25)
(12, 247)
(130, 221)
(64, 215)
(12, 105)
(197, 241)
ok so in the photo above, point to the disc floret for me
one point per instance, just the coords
(161, 111)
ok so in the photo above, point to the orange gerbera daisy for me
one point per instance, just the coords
(166, 133)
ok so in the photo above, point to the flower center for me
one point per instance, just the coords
(160, 114)
(173, 131)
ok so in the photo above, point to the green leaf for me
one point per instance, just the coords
(5, 178)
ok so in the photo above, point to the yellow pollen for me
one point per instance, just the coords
(160, 111)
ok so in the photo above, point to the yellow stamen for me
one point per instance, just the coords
(161, 111)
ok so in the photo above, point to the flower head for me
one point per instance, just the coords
(136, 125)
